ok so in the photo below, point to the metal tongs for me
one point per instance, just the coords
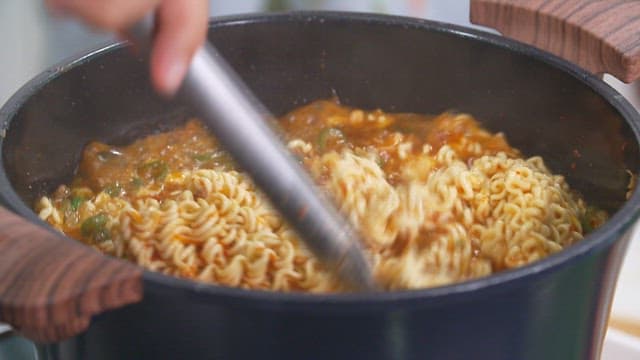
(237, 119)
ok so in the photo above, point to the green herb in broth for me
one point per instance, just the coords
(153, 170)
(214, 158)
(328, 133)
(95, 228)
(114, 190)
(75, 202)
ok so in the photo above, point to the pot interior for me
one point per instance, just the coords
(544, 106)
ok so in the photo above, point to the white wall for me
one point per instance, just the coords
(23, 43)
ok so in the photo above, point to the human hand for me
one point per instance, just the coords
(181, 27)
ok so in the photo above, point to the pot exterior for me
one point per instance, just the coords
(556, 315)
(554, 309)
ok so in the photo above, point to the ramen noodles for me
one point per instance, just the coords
(437, 200)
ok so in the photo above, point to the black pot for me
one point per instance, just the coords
(556, 308)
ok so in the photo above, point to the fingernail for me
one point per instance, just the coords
(174, 76)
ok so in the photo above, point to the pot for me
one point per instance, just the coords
(79, 304)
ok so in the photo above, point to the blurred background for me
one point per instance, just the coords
(33, 40)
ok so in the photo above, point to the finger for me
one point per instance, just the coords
(55, 8)
(112, 15)
(181, 28)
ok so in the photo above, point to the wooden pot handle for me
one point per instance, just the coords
(50, 287)
(602, 36)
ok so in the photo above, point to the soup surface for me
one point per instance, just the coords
(437, 200)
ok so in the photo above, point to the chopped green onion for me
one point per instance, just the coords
(216, 158)
(327, 133)
(75, 202)
(95, 227)
(136, 183)
(113, 190)
(204, 157)
(102, 235)
(156, 169)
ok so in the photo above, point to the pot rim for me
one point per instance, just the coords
(610, 232)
